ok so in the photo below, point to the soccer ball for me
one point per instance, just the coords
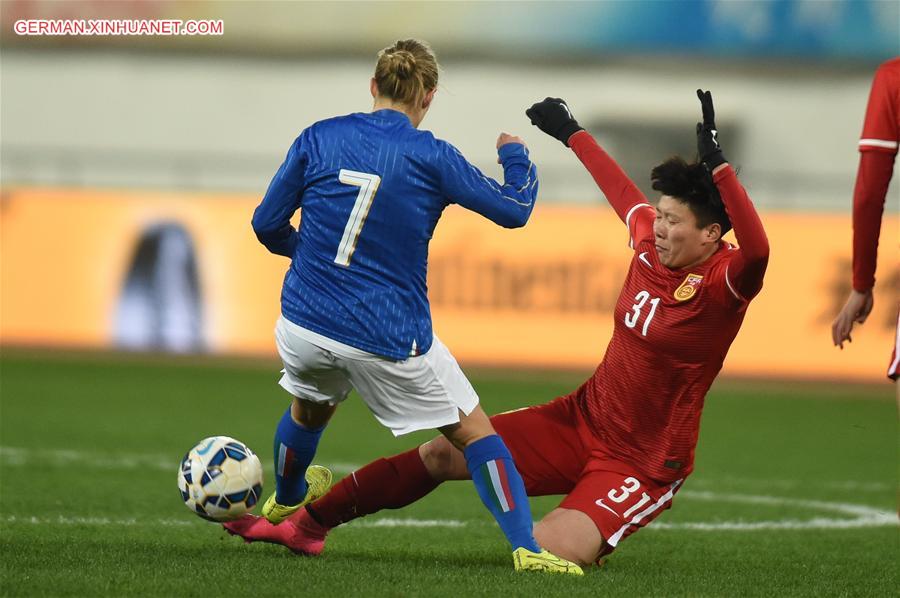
(220, 479)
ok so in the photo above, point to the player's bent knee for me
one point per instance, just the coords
(438, 457)
(311, 414)
(470, 428)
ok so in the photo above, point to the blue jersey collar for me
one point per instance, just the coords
(392, 114)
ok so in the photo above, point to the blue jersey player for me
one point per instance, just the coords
(355, 313)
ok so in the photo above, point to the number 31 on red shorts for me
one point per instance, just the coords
(619, 504)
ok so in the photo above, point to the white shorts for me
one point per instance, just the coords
(421, 393)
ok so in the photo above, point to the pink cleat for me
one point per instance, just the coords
(300, 533)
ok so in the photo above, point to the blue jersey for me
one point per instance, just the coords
(372, 188)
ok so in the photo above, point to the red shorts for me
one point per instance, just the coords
(556, 454)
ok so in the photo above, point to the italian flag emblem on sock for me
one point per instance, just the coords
(494, 476)
(285, 461)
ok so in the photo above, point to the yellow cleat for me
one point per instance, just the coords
(318, 481)
(525, 560)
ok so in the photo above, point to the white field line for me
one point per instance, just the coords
(11, 456)
(391, 522)
(855, 515)
(848, 485)
(190, 520)
(859, 516)
(98, 521)
(850, 515)
(875, 519)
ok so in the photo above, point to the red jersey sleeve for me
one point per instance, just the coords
(878, 148)
(746, 268)
(623, 195)
(881, 130)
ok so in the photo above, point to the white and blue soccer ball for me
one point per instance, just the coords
(220, 479)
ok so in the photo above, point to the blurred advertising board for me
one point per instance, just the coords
(184, 273)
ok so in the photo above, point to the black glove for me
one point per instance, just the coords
(552, 116)
(707, 144)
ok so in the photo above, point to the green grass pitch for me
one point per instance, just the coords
(794, 494)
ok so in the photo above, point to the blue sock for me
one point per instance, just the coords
(501, 489)
(295, 447)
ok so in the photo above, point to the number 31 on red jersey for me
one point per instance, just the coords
(632, 317)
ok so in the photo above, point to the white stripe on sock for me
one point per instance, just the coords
(282, 454)
(498, 487)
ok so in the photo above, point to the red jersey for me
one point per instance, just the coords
(878, 148)
(672, 328)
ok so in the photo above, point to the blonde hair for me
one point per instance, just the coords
(406, 71)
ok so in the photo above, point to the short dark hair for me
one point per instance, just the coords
(691, 184)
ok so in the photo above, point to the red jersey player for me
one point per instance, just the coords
(620, 446)
(878, 148)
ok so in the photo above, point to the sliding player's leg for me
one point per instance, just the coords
(388, 483)
(548, 452)
(544, 443)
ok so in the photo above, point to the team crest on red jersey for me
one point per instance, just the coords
(688, 288)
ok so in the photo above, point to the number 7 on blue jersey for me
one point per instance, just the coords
(368, 186)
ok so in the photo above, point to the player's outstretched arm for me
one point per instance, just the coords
(553, 116)
(272, 218)
(509, 204)
(747, 268)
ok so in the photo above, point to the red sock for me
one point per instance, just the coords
(390, 483)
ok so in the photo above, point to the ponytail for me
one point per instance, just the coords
(406, 71)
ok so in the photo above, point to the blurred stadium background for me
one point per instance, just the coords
(131, 165)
